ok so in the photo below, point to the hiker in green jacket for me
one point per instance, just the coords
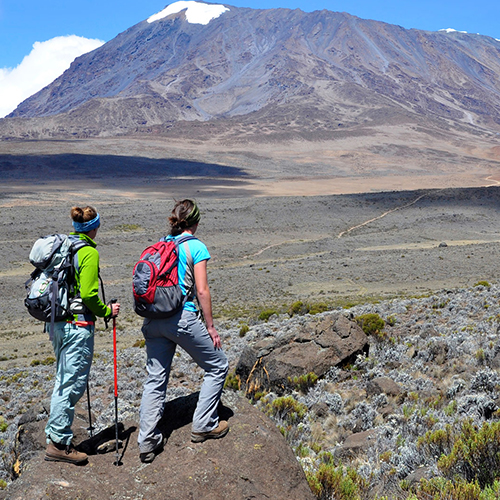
(73, 340)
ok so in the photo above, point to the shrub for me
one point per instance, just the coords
(3, 484)
(482, 283)
(140, 343)
(244, 328)
(232, 382)
(304, 382)
(266, 314)
(391, 320)
(318, 308)
(298, 307)
(439, 488)
(3, 424)
(371, 324)
(331, 481)
(287, 409)
(437, 443)
(128, 227)
(475, 455)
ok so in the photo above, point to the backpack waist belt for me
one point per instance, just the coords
(81, 323)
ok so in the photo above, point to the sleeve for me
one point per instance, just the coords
(88, 263)
(199, 251)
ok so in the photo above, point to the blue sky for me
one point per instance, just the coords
(25, 22)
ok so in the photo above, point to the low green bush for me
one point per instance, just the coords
(371, 324)
(244, 328)
(337, 482)
(475, 454)
(304, 382)
(266, 314)
(317, 308)
(233, 381)
(3, 424)
(482, 283)
(440, 488)
(287, 409)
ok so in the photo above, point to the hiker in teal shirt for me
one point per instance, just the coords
(199, 339)
(73, 340)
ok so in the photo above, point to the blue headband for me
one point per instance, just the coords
(85, 227)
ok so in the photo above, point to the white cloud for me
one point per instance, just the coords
(196, 12)
(41, 66)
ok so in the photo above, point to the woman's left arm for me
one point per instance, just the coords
(205, 300)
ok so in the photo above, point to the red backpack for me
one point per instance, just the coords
(155, 282)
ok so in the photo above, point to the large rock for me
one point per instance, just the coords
(322, 343)
(252, 461)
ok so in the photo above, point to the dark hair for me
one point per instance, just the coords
(83, 214)
(179, 220)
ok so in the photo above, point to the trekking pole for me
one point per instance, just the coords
(90, 427)
(117, 462)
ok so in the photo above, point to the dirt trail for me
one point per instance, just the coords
(381, 216)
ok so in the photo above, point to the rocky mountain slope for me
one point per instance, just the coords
(285, 73)
(433, 366)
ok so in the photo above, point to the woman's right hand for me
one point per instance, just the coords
(214, 335)
(115, 309)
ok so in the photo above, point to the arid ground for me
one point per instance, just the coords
(276, 235)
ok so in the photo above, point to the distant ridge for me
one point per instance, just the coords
(285, 73)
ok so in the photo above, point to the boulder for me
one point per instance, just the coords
(383, 385)
(252, 461)
(321, 343)
(355, 444)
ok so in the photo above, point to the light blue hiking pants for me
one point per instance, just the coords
(162, 337)
(74, 348)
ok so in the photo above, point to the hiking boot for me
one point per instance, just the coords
(57, 452)
(219, 432)
(149, 456)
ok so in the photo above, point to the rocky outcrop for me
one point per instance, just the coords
(252, 461)
(315, 347)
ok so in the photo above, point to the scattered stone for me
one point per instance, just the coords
(383, 385)
(356, 444)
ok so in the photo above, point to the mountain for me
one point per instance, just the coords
(284, 73)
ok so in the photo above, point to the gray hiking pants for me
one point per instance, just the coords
(162, 337)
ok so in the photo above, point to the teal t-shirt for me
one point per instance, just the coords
(198, 252)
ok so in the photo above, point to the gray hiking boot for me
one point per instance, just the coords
(57, 452)
(219, 432)
(149, 456)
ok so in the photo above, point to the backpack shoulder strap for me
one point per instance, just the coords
(183, 239)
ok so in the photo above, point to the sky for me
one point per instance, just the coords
(39, 40)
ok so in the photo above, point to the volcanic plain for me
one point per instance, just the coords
(274, 239)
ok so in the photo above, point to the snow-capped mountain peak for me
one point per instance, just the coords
(196, 12)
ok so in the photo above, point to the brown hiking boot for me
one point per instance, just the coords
(148, 457)
(219, 432)
(56, 452)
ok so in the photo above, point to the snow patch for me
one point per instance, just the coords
(196, 12)
(451, 30)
